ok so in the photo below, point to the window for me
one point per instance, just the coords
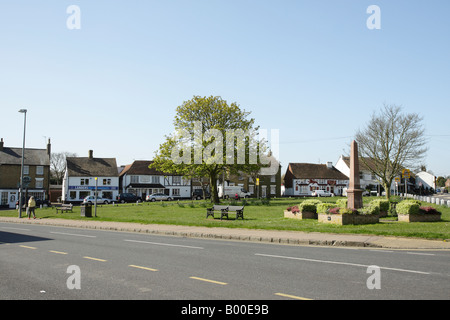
(273, 189)
(175, 192)
(4, 199)
(273, 178)
(84, 182)
(134, 179)
(176, 180)
(39, 183)
(26, 169)
(106, 182)
(144, 179)
(107, 195)
(40, 170)
(251, 189)
(84, 194)
(155, 179)
(72, 194)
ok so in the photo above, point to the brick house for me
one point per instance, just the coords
(301, 179)
(36, 173)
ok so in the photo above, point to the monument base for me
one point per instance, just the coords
(355, 200)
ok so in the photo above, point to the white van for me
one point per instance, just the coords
(230, 192)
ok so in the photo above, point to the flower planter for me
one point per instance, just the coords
(344, 219)
(428, 217)
(300, 215)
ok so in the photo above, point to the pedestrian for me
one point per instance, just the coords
(31, 207)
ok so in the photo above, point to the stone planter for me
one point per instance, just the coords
(419, 217)
(344, 219)
(300, 215)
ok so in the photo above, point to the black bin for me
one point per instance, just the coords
(86, 210)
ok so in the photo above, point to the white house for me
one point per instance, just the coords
(139, 179)
(425, 180)
(84, 175)
(301, 179)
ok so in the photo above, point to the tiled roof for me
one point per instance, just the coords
(316, 171)
(35, 157)
(140, 167)
(92, 167)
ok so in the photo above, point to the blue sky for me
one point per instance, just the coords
(311, 69)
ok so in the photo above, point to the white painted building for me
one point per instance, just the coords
(425, 180)
(139, 179)
(85, 175)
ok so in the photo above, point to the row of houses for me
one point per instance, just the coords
(84, 175)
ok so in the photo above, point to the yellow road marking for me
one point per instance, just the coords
(59, 252)
(28, 247)
(96, 259)
(145, 268)
(207, 280)
(291, 296)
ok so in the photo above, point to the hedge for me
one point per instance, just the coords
(408, 207)
(382, 204)
(323, 207)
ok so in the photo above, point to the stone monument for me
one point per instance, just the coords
(354, 192)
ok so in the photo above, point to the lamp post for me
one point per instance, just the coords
(24, 111)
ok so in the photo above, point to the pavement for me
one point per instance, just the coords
(240, 234)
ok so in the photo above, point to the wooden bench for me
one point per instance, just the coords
(64, 207)
(224, 210)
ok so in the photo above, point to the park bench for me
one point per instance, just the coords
(224, 210)
(64, 207)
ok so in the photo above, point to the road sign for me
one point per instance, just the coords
(257, 181)
(406, 173)
(397, 179)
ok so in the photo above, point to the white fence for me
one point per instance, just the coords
(429, 199)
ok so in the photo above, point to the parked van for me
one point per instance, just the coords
(231, 191)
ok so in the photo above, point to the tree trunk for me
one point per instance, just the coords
(213, 185)
(387, 189)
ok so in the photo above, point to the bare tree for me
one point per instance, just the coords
(58, 165)
(392, 141)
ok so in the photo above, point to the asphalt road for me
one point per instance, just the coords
(46, 262)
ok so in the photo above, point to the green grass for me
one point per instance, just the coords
(256, 216)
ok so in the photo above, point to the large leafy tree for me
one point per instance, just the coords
(393, 141)
(211, 137)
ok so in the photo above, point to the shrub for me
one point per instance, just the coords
(348, 211)
(382, 204)
(293, 209)
(334, 210)
(408, 207)
(372, 208)
(323, 207)
(342, 203)
(307, 206)
(428, 210)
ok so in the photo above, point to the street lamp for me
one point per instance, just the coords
(24, 111)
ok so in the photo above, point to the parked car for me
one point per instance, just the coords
(91, 200)
(322, 193)
(157, 197)
(128, 197)
(197, 194)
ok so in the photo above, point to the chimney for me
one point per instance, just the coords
(49, 148)
(1, 145)
(329, 165)
(91, 154)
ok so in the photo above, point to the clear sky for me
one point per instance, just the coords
(310, 68)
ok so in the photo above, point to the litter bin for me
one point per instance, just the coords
(86, 210)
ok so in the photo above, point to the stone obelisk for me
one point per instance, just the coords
(354, 192)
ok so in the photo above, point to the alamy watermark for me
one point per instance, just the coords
(374, 280)
(74, 20)
(74, 280)
(239, 145)
(374, 20)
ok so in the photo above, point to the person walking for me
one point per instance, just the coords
(31, 207)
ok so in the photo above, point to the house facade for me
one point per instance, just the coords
(85, 175)
(302, 179)
(139, 179)
(425, 180)
(36, 173)
(267, 186)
